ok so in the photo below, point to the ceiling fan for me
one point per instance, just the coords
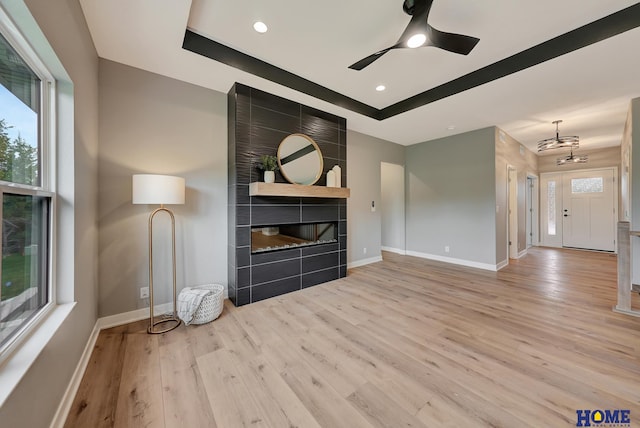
(419, 33)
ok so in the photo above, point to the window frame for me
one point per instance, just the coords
(46, 187)
(578, 192)
(545, 238)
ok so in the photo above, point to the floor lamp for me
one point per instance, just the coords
(160, 190)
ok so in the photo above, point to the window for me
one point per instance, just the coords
(26, 288)
(551, 210)
(587, 185)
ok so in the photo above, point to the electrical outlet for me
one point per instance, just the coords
(446, 249)
(364, 250)
(144, 292)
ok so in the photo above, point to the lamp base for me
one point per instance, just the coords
(166, 322)
(163, 325)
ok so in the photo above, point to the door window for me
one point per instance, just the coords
(587, 185)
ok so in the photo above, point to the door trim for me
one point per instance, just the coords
(512, 217)
(535, 206)
(561, 174)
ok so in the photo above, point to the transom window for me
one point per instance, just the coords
(25, 195)
(587, 185)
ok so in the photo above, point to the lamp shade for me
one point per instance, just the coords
(158, 189)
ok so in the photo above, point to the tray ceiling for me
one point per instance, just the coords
(589, 88)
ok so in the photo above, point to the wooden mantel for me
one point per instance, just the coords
(297, 190)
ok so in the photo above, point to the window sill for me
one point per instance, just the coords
(18, 363)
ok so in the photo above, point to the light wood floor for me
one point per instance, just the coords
(405, 342)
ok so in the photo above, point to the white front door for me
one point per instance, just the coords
(588, 210)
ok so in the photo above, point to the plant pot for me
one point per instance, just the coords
(269, 176)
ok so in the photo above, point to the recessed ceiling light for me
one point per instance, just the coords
(380, 88)
(260, 27)
(416, 40)
(451, 127)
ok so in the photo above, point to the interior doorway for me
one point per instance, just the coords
(512, 234)
(532, 210)
(392, 207)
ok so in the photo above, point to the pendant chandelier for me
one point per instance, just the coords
(565, 160)
(558, 142)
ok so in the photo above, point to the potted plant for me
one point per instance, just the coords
(269, 164)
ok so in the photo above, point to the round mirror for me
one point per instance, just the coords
(300, 159)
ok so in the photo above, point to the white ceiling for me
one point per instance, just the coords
(589, 89)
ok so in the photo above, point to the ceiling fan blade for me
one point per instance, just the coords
(364, 62)
(417, 24)
(419, 11)
(457, 43)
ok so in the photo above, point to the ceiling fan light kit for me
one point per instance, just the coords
(416, 40)
(260, 27)
(419, 33)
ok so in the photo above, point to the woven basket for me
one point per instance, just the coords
(211, 306)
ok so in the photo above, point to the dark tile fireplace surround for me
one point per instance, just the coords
(258, 121)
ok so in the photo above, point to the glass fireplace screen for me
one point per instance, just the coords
(280, 237)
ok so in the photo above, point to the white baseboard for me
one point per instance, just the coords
(132, 316)
(502, 264)
(631, 312)
(522, 253)
(461, 262)
(363, 262)
(394, 250)
(67, 399)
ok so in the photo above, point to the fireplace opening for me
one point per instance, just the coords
(287, 236)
